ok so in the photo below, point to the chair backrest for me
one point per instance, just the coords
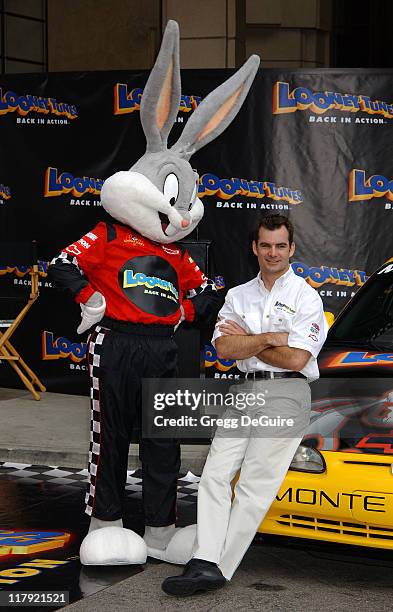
(18, 253)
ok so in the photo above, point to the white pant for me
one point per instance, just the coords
(225, 528)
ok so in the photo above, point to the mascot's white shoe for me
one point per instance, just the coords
(170, 544)
(107, 543)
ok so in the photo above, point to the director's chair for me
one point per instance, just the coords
(19, 254)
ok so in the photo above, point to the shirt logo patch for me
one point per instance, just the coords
(284, 308)
(313, 337)
(314, 328)
(134, 240)
(170, 251)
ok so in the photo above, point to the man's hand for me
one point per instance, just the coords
(92, 311)
(230, 328)
(237, 343)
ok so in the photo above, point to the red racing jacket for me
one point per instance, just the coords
(142, 281)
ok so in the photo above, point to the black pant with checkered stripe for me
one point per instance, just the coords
(119, 357)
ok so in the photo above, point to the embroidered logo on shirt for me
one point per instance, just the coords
(313, 337)
(74, 248)
(284, 307)
(134, 240)
(170, 251)
(314, 328)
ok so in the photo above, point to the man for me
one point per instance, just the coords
(274, 325)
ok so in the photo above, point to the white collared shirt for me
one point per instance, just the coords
(291, 306)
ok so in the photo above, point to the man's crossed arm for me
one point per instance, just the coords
(269, 347)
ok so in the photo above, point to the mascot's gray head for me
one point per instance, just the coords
(158, 196)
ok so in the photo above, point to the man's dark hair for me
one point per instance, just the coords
(273, 222)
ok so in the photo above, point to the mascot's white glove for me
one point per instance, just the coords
(92, 311)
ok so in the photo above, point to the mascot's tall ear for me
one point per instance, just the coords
(161, 96)
(217, 110)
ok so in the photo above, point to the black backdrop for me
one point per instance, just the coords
(314, 144)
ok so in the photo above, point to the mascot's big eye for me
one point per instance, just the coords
(171, 188)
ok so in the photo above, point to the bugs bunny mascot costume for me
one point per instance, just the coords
(114, 272)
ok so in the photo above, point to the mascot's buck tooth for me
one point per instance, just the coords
(154, 203)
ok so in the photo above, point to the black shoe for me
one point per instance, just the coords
(198, 575)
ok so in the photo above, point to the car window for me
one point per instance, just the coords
(369, 318)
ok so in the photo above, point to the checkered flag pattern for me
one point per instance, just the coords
(94, 357)
(77, 480)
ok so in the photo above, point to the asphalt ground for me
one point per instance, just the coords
(271, 577)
